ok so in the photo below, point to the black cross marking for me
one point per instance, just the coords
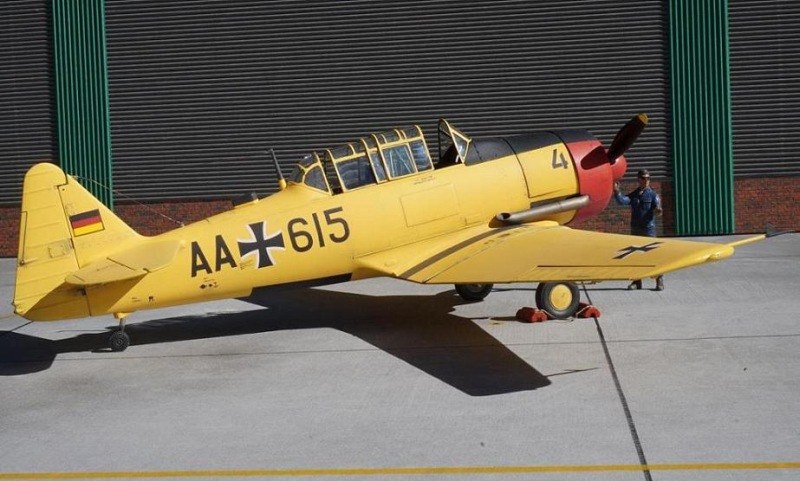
(261, 244)
(631, 249)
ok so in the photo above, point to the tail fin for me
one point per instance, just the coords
(62, 228)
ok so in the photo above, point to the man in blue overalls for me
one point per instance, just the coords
(645, 206)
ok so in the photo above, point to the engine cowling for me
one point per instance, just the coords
(596, 174)
(576, 189)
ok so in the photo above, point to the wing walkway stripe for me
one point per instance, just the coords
(442, 470)
(455, 248)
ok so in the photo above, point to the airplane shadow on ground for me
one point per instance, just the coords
(420, 330)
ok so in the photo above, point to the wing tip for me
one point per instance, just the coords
(722, 253)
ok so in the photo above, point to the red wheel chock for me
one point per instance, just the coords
(532, 314)
(586, 311)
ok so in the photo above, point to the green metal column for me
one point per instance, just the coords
(81, 81)
(701, 117)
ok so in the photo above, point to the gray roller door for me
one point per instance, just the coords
(200, 89)
(26, 100)
(765, 85)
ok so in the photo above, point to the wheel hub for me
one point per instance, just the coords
(560, 297)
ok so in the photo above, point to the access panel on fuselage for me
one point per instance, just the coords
(546, 164)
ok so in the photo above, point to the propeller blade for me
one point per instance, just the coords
(626, 136)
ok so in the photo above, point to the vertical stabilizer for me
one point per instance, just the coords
(62, 228)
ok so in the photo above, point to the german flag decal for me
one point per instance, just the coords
(86, 222)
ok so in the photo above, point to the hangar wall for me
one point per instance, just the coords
(702, 152)
(201, 89)
(27, 106)
(197, 93)
(81, 85)
(765, 68)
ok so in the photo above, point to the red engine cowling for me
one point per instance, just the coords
(596, 175)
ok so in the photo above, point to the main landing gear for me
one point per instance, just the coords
(560, 300)
(119, 339)
(557, 300)
(474, 292)
(554, 300)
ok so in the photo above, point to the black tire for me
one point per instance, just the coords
(473, 292)
(119, 341)
(559, 299)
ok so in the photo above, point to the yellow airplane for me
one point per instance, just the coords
(492, 210)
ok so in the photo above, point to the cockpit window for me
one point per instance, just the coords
(377, 165)
(309, 172)
(352, 165)
(315, 178)
(355, 172)
(411, 132)
(389, 136)
(342, 151)
(297, 174)
(453, 145)
(403, 151)
(308, 160)
(300, 168)
(373, 159)
(421, 157)
(398, 159)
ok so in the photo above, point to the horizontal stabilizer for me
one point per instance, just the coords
(127, 264)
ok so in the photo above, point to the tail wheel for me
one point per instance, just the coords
(559, 299)
(473, 292)
(119, 341)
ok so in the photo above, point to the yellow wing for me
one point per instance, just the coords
(542, 251)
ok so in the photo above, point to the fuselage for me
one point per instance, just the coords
(301, 234)
(306, 235)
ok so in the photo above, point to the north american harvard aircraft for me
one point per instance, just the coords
(492, 210)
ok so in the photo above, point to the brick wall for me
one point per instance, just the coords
(153, 219)
(617, 218)
(758, 201)
(767, 201)
(9, 231)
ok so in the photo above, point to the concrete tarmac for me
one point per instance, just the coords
(385, 379)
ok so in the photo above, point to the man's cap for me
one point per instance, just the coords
(644, 173)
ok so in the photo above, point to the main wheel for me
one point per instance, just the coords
(119, 341)
(473, 292)
(559, 299)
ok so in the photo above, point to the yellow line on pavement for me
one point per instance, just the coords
(432, 470)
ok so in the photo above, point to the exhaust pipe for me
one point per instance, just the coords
(543, 211)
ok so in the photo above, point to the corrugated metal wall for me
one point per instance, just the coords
(27, 124)
(765, 79)
(84, 138)
(200, 89)
(701, 113)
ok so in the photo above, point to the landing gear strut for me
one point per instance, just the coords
(119, 339)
